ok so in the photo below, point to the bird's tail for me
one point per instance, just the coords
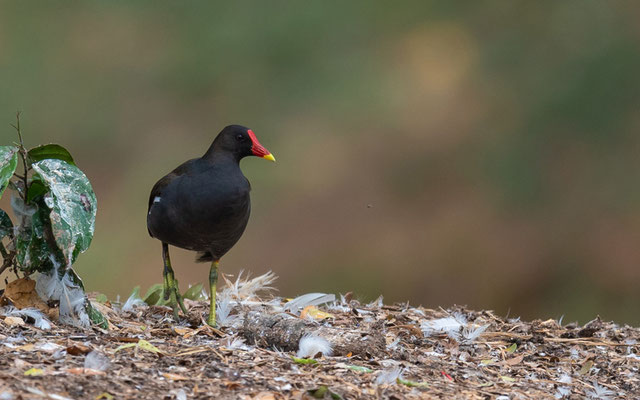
(204, 256)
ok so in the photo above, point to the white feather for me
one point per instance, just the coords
(309, 299)
(600, 392)
(39, 320)
(96, 360)
(377, 303)
(224, 307)
(456, 327)
(236, 343)
(470, 333)
(71, 297)
(246, 288)
(443, 325)
(133, 301)
(388, 376)
(310, 345)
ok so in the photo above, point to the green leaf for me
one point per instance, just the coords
(321, 391)
(8, 164)
(32, 250)
(194, 293)
(36, 189)
(50, 151)
(6, 227)
(154, 296)
(96, 316)
(586, 367)
(34, 372)
(141, 344)
(358, 368)
(409, 383)
(101, 298)
(307, 361)
(512, 349)
(72, 203)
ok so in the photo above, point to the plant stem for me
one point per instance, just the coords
(23, 155)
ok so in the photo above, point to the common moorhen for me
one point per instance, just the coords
(203, 205)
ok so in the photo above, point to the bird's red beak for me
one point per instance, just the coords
(257, 149)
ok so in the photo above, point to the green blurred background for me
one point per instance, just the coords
(479, 153)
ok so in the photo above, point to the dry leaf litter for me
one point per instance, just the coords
(313, 346)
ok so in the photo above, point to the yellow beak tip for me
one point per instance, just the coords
(269, 157)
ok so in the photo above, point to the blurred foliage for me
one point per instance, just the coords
(442, 152)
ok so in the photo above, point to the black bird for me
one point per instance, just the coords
(203, 205)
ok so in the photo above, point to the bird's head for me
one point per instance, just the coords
(241, 142)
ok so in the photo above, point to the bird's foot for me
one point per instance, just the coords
(211, 321)
(173, 297)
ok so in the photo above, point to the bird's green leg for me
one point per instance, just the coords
(213, 283)
(171, 290)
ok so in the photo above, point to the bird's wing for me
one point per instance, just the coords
(167, 179)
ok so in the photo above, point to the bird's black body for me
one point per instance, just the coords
(204, 205)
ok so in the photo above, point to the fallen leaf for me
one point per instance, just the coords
(231, 385)
(85, 371)
(356, 368)
(105, 395)
(77, 349)
(34, 372)
(174, 377)
(585, 367)
(264, 396)
(515, 360)
(181, 331)
(314, 313)
(409, 383)
(26, 347)
(141, 344)
(512, 348)
(13, 321)
(22, 294)
(321, 391)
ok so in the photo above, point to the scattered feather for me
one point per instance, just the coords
(443, 325)
(456, 327)
(247, 288)
(563, 391)
(470, 334)
(224, 307)
(600, 392)
(133, 301)
(388, 376)
(394, 343)
(377, 303)
(96, 360)
(71, 297)
(39, 320)
(309, 299)
(311, 345)
(236, 343)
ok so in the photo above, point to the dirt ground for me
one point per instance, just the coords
(378, 352)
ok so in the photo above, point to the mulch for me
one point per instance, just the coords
(145, 354)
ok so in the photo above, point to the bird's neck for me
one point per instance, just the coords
(216, 155)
